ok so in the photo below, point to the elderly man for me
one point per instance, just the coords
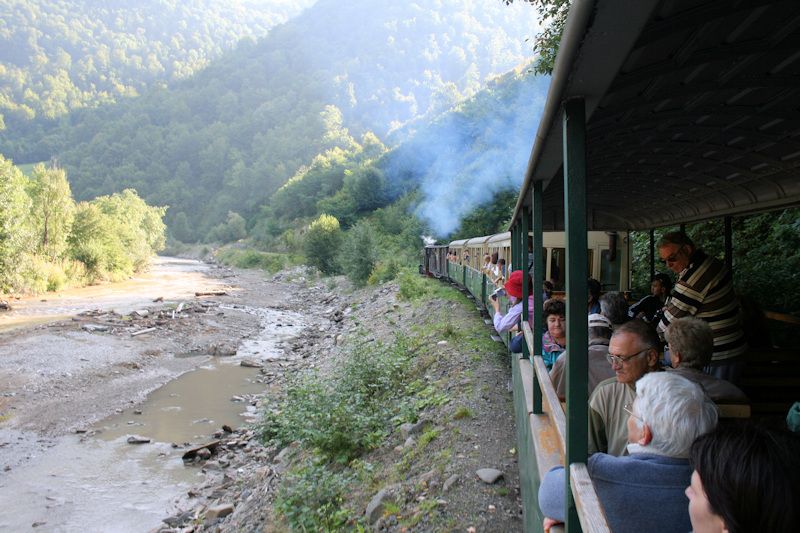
(704, 289)
(668, 413)
(614, 307)
(632, 352)
(599, 369)
(690, 345)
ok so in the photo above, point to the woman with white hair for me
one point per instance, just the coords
(644, 491)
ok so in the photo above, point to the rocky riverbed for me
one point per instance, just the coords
(63, 379)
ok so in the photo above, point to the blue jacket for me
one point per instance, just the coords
(639, 492)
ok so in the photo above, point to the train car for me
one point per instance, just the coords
(434, 261)
(608, 256)
(658, 114)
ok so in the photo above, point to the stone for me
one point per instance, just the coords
(219, 511)
(203, 453)
(141, 312)
(449, 482)
(409, 443)
(249, 363)
(94, 327)
(489, 475)
(412, 429)
(137, 439)
(442, 343)
(375, 506)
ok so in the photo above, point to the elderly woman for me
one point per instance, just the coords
(554, 340)
(691, 343)
(745, 479)
(644, 491)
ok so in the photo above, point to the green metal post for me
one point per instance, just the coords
(524, 223)
(577, 289)
(652, 253)
(538, 277)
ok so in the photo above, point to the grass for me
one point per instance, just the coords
(254, 259)
(462, 412)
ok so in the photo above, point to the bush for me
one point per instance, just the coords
(311, 498)
(412, 285)
(350, 412)
(248, 258)
(359, 253)
(321, 244)
(384, 271)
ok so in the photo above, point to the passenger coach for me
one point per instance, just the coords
(660, 113)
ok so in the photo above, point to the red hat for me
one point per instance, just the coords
(513, 286)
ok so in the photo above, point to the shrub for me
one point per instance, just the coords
(321, 244)
(412, 285)
(384, 271)
(359, 253)
(311, 498)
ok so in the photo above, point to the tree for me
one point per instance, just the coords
(321, 243)
(52, 210)
(359, 252)
(15, 232)
(554, 14)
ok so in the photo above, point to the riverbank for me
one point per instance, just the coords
(426, 474)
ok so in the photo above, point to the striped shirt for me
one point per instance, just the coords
(705, 290)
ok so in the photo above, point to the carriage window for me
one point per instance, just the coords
(609, 270)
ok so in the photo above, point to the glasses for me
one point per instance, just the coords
(673, 257)
(628, 408)
(622, 359)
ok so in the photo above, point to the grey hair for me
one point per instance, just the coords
(676, 410)
(693, 339)
(614, 307)
(675, 237)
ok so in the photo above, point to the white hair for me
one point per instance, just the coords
(677, 411)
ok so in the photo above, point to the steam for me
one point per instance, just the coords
(465, 157)
(428, 240)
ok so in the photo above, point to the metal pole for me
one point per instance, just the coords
(652, 253)
(538, 278)
(575, 208)
(729, 244)
(524, 223)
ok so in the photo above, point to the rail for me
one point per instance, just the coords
(541, 437)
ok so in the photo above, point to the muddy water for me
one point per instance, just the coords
(102, 483)
(169, 278)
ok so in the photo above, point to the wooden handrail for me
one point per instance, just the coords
(550, 397)
(782, 317)
(590, 510)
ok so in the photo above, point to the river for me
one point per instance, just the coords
(95, 480)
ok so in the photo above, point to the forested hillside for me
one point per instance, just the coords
(222, 141)
(60, 55)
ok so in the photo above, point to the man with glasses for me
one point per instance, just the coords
(704, 289)
(632, 353)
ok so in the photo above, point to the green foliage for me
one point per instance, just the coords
(384, 270)
(462, 412)
(15, 231)
(351, 411)
(51, 211)
(553, 15)
(412, 286)
(232, 131)
(489, 218)
(359, 252)
(311, 497)
(321, 243)
(233, 229)
(249, 258)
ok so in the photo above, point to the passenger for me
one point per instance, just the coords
(501, 269)
(614, 307)
(645, 491)
(547, 290)
(746, 478)
(466, 257)
(487, 265)
(704, 289)
(599, 369)
(632, 352)
(690, 346)
(649, 307)
(554, 340)
(495, 271)
(594, 296)
(507, 322)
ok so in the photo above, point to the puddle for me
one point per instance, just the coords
(190, 408)
(102, 483)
